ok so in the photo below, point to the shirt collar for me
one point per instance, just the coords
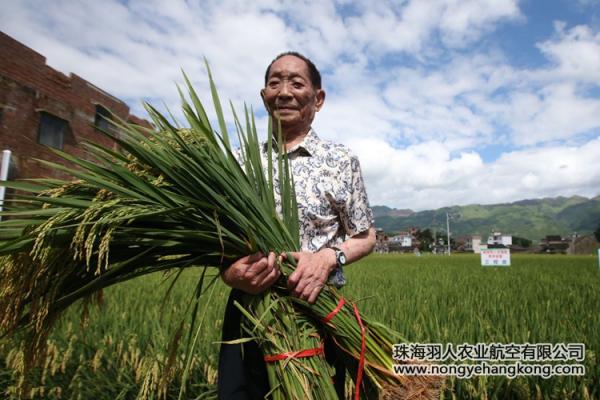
(307, 145)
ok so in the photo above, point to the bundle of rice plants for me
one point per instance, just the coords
(171, 199)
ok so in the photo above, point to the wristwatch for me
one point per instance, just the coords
(336, 277)
(340, 257)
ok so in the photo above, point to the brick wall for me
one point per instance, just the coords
(27, 87)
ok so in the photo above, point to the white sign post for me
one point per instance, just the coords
(4, 166)
(495, 257)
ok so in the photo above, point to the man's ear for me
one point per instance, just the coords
(262, 96)
(320, 99)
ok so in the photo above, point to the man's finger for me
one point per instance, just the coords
(271, 260)
(271, 278)
(301, 287)
(307, 291)
(315, 294)
(252, 258)
(257, 267)
(262, 273)
(294, 278)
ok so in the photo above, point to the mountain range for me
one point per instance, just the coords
(532, 219)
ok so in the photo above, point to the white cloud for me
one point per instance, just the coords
(555, 112)
(556, 170)
(407, 89)
(464, 21)
(429, 177)
(385, 27)
(393, 175)
(575, 52)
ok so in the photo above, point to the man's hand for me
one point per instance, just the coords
(311, 273)
(252, 274)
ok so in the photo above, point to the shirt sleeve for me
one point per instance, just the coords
(357, 215)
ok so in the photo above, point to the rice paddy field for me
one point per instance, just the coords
(120, 349)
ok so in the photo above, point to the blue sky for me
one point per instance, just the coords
(444, 101)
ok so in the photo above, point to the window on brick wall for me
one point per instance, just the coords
(103, 118)
(52, 130)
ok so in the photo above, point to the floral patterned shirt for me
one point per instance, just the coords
(332, 200)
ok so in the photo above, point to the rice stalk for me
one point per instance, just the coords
(171, 199)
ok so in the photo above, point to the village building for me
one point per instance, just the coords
(42, 108)
(401, 242)
(554, 244)
(381, 241)
(583, 245)
(474, 244)
(497, 239)
(405, 241)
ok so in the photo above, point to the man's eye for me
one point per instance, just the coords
(273, 84)
(298, 85)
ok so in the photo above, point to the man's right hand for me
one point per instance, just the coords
(252, 274)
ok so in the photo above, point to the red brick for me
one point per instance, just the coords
(27, 84)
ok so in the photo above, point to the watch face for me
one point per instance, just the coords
(342, 258)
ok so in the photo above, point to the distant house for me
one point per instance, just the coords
(404, 239)
(497, 239)
(583, 245)
(439, 247)
(554, 244)
(475, 245)
(401, 242)
(381, 242)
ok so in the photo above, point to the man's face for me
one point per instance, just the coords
(290, 96)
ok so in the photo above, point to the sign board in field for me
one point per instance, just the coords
(495, 257)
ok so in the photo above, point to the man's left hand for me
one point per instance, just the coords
(311, 273)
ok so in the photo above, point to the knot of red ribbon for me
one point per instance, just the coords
(295, 354)
(319, 350)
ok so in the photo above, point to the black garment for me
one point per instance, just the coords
(242, 370)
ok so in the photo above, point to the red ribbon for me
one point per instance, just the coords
(337, 309)
(361, 361)
(295, 354)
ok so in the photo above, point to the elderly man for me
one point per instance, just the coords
(335, 221)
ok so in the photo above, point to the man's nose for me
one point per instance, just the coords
(284, 90)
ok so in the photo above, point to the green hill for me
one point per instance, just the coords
(532, 219)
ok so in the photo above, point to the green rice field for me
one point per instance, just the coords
(120, 350)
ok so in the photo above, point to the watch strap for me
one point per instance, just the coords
(339, 256)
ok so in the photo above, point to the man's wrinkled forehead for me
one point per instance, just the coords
(312, 73)
(289, 67)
